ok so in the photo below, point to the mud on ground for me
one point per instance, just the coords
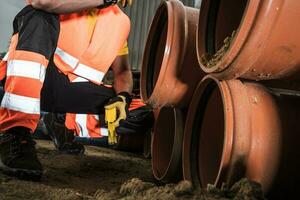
(107, 174)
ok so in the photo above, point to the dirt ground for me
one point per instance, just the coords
(107, 174)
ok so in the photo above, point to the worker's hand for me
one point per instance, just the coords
(125, 3)
(120, 103)
(107, 3)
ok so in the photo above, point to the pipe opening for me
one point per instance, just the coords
(223, 20)
(163, 141)
(208, 146)
(157, 47)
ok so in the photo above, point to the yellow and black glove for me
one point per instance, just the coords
(125, 3)
(115, 111)
(120, 104)
(107, 3)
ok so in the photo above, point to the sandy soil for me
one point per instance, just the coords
(108, 174)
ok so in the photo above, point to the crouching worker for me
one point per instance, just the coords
(56, 63)
(68, 136)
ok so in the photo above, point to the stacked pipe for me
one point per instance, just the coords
(237, 125)
(170, 73)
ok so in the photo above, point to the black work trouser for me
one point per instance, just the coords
(60, 95)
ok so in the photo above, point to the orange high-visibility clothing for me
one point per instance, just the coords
(3, 67)
(78, 54)
(24, 67)
(25, 73)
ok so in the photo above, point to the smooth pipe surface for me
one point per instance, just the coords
(262, 42)
(170, 70)
(237, 129)
(167, 145)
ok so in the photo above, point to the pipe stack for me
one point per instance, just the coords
(239, 123)
(170, 73)
(239, 129)
(236, 126)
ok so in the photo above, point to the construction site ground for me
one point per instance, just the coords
(107, 174)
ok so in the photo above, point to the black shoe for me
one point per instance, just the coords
(63, 138)
(18, 155)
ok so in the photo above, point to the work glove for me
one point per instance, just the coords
(125, 3)
(138, 121)
(107, 3)
(119, 103)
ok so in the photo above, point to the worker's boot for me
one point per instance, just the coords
(62, 137)
(18, 155)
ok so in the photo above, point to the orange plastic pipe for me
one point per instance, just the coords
(266, 43)
(170, 69)
(237, 129)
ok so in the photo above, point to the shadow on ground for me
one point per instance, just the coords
(105, 174)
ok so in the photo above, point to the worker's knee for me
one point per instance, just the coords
(38, 18)
(38, 21)
(38, 31)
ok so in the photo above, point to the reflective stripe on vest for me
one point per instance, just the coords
(89, 73)
(66, 58)
(88, 56)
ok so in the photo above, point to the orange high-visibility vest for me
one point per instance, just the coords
(80, 55)
(85, 57)
(89, 57)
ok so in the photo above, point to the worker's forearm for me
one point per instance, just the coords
(65, 6)
(123, 82)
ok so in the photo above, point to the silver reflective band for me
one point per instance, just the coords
(67, 58)
(79, 80)
(26, 69)
(89, 73)
(20, 103)
(104, 131)
(81, 120)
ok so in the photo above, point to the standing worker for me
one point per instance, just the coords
(56, 63)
